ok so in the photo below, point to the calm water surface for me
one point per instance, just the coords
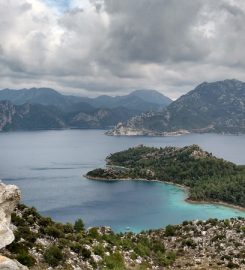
(48, 167)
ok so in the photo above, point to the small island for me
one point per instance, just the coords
(207, 178)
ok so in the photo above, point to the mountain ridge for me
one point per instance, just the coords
(49, 96)
(45, 108)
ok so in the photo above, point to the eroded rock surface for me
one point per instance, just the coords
(9, 198)
(7, 264)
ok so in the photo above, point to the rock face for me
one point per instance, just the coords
(9, 198)
(7, 111)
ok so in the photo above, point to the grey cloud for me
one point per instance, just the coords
(114, 46)
(154, 31)
(234, 10)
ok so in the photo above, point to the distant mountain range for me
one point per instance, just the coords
(45, 108)
(141, 100)
(211, 107)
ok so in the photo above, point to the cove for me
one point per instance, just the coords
(48, 167)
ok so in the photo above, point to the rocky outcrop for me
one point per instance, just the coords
(9, 198)
(7, 264)
(124, 130)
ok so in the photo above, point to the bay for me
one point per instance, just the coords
(49, 166)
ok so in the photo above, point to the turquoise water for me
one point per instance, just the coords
(48, 167)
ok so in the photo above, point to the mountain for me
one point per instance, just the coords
(151, 96)
(43, 96)
(36, 116)
(29, 117)
(210, 107)
(45, 108)
(99, 118)
(140, 101)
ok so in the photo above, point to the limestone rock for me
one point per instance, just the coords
(7, 264)
(9, 198)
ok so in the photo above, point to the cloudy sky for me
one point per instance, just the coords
(92, 47)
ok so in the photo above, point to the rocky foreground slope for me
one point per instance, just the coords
(211, 107)
(41, 243)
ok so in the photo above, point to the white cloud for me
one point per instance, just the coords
(113, 46)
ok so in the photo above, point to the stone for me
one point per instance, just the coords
(7, 264)
(9, 198)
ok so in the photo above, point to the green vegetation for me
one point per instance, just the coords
(53, 256)
(55, 242)
(25, 258)
(79, 226)
(115, 261)
(208, 177)
(41, 243)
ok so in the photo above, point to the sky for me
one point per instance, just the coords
(94, 47)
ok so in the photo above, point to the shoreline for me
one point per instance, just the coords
(172, 134)
(187, 199)
(220, 203)
(138, 179)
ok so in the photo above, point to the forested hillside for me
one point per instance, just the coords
(209, 178)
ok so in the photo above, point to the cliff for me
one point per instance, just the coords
(9, 198)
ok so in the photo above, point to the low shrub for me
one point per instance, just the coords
(25, 258)
(53, 256)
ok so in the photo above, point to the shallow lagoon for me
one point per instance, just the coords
(48, 167)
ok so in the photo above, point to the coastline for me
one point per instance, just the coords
(187, 199)
(150, 133)
(220, 203)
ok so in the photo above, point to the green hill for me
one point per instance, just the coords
(208, 178)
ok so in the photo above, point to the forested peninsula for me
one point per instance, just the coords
(208, 178)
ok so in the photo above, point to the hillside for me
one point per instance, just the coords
(36, 117)
(207, 177)
(211, 107)
(44, 108)
(29, 117)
